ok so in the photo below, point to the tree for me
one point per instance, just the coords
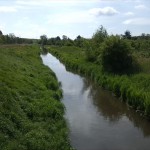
(64, 37)
(116, 55)
(78, 37)
(58, 38)
(127, 34)
(79, 41)
(99, 36)
(92, 46)
(43, 39)
(12, 38)
(1, 33)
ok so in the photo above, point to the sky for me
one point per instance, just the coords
(33, 18)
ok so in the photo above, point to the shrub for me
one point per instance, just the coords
(116, 55)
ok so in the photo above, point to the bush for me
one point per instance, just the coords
(116, 55)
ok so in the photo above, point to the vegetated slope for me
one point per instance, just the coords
(31, 115)
(134, 88)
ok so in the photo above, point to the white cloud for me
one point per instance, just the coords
(137, 21)
(87, 16)
(7, 9)
(107, 11)
(129, 14)
(140, 7)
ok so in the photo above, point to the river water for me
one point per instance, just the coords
(96, 119)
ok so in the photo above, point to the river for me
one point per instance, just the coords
(96, 119)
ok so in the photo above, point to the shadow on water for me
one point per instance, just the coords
(98, 120)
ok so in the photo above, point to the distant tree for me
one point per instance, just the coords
(58, 38)
(1, 37)
(78, 37)
(64, 37)
(12, 38)
(127, 34)
(1, 33)
(43, 40)
(143, 36)
(79, 41)
(99, 36)
(7, 39)
(58, 41)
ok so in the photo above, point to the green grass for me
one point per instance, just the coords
(133, 89)
(31, 113)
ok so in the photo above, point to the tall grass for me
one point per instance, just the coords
(31, 114)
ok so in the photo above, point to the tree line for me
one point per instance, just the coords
(79, 41)
(64, 41)
(12, 39)
(113, 52)
(44, 40)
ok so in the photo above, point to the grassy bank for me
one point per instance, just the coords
(31, 114)
(133, 89)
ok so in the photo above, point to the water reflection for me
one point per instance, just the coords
(113, 109)
(98, 120)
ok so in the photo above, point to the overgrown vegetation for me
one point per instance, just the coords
(116, 63)
(116, 55)
(31, 114)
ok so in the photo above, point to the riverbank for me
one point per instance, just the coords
(133, 89)
(31, 113)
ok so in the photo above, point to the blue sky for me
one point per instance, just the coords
(32, 18)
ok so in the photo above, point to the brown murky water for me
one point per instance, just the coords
(97, 120)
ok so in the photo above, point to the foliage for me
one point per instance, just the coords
(92, 46)
(31, 115)
(127, 34)
(43, 40)
(133, 89)
(1, 33)
(90, 51)
(79, 41)
(12, 39)
(99, 36)
(116, 55)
